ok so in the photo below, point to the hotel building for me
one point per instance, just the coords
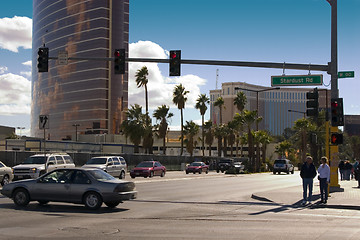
(83, 93)
(279, 108)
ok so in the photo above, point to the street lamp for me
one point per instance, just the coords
(20, 128)
(76, 125)
(289, 110)
(257, 99)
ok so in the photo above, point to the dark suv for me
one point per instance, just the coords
(283, 165)
(224, 164)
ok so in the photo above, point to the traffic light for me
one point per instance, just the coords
(43, 59)
(336, 138)
(337, 112)
(312, 103)
(175, 63)
(119, 62)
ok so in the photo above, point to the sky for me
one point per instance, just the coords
(289, 31)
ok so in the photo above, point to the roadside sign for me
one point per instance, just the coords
(62, 58)
(44, 122)
(296, 80)
(348, 74)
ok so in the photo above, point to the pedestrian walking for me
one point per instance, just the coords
(342, 169)
(324, 179)
(357, 174)
(347, 170)
(307, 173)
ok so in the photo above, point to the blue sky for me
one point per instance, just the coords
(245, 30)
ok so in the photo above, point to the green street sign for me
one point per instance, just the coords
(348, 74)
(296, 80)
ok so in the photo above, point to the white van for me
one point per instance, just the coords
(36, 165)
(113, 165)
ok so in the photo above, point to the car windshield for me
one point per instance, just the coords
(96, 161)
(145, 164)
(35, 160)
(100, 175)
(280, 162)
(195, 164)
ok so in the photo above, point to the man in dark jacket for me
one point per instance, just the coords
(307, 173)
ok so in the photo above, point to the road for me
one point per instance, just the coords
(180, 206)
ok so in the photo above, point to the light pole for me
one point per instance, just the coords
(257, 99)
(76, 125)
(289, 110)
(20, 128)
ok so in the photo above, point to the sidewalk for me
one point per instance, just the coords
(345, 197)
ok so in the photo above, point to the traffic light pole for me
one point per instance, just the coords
(333, 71)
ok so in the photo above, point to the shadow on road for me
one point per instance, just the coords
(55, 209)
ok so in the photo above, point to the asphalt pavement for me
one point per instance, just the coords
(347, 196)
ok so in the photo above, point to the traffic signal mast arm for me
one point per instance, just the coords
(296, 66)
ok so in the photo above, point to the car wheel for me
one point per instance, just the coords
(5, 180)
(92, 200)
(122, 175)
(194, 172)
(217, 171)
(292, 172)
(274, 172)
(112, 204)
(187, 172)
(151, 174)
(21, 197)
(162, 174)
(43, 202)
(132, 176)
(200, 171)
(207, 171)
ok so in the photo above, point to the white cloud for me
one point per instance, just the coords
(27, 74)
(15, 95)
(15, 32)
(160, 88)
(3, 70)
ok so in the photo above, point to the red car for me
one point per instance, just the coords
(148, 169)
(197, 167)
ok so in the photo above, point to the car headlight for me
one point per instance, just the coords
(33, 170)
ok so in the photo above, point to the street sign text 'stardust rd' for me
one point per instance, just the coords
(297, 80)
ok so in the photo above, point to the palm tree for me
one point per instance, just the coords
(240, 101)
(162, 115)
(264, 139)
(219, 103)
(191, 129)
(283, 149)
(232, 125)
(179, 99)
(201, 105)
(239, 120)
(209, 135)
(249, 119)
(133, 126)
(142, 81)
(303, 127)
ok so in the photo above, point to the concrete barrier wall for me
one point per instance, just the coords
(12, 158)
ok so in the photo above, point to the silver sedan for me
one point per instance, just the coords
(91, 187)
(6, 174)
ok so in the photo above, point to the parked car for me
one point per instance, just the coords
(148, 169)
(239, 167)
(90, 187)
(283, 165)
(114, 165)
(6, 174)
(39, 164)
(224, 164)
(197, 167)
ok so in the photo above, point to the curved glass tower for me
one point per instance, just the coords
(84, 94)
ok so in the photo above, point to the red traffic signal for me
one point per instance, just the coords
(43, 60)
(175, 63)
(119, 61)
(337, 112)
(336, 138)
